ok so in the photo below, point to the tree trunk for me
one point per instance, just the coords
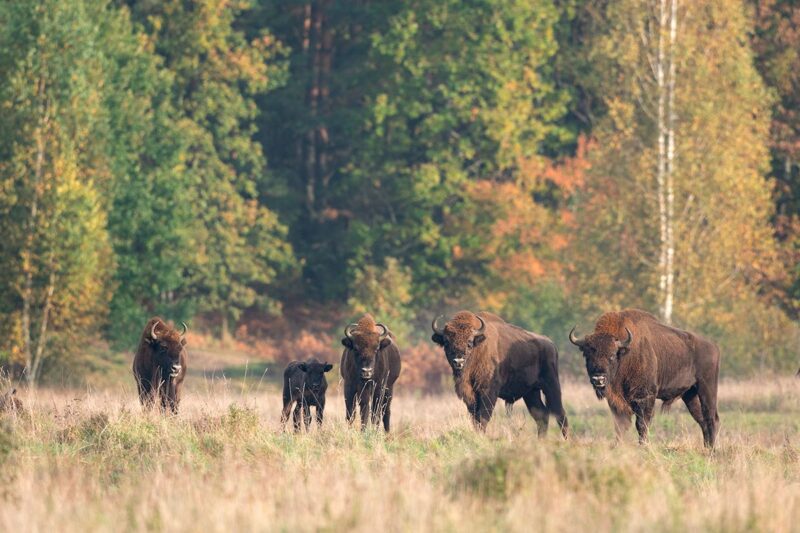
(41, 343)
(32, 224)
(661, 169)
(669, 289)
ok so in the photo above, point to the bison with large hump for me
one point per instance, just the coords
(370, 366)
(492, 359)
(633, 359)
(159, 365)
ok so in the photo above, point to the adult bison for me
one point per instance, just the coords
(159, 365)
(304, 382)
(370, 366)
(492, 359)
(633, 359)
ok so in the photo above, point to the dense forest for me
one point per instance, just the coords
(266, 169)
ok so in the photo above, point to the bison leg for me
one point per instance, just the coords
(708, 402)
(386, 408)
(482, 413)
(306, 414)
(552, 396)
(287, 409)
(380, 402)
(320, 412)
(622, 421)
(350, 403)
(298, 407)
(145, 393)
(643, 409)
(692, 401)
(363, 403)
(533, 401)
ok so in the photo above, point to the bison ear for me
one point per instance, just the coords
(386, 342)
(478, 339)
(347, 343)
(622, 351)
(438, 339)
(183, 341)
(303, 367)
(328, 367)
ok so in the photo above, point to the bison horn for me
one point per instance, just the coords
(153, 331)
(626, 342)
(185, 328)
(384, 329)
(573, 339)
(348, 331)
(437, 330)
(483, 326)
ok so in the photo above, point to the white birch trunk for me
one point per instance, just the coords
(661, 170)
(669, 267)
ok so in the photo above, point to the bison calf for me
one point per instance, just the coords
(159, 365)
(305, 384)
(633, 359)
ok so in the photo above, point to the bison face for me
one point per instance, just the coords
(315, 375)
(459, 339)
(602, 353)
(365, 345)
(168, 346)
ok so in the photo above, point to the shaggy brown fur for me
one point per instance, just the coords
(159, 365)
(503, 361)
(9, 402)
(304, 383)
(370, 366)
(660, 362)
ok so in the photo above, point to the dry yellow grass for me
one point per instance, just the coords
(83, 461)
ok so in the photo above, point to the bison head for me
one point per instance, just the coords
(168, 345)
(315, 374)
(602, 352)
(459, 337)
(365, 339)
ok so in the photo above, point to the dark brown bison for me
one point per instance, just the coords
(159, 365)
(9, 403)
(370, 366)
(492, 359)
(633, 359)
(305, 384)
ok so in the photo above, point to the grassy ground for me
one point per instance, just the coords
(82, 461)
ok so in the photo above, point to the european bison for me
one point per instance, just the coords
(159, 365)
(304, 383)
(492, 359)
(370, 366)
(9, 402)
(632, 359)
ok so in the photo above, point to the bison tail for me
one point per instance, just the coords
(667, 404)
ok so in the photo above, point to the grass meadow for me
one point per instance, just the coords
(79, 460)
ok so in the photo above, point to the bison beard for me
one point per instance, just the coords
(159, 365)
(492, 359)
(370, 366)
(632, 359)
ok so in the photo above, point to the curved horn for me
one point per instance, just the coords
(185, 328)
(385, 331)
(348, 331)
(573, 339)
(483, 326)
(626, 342)
(438, 331)
(153, 331)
